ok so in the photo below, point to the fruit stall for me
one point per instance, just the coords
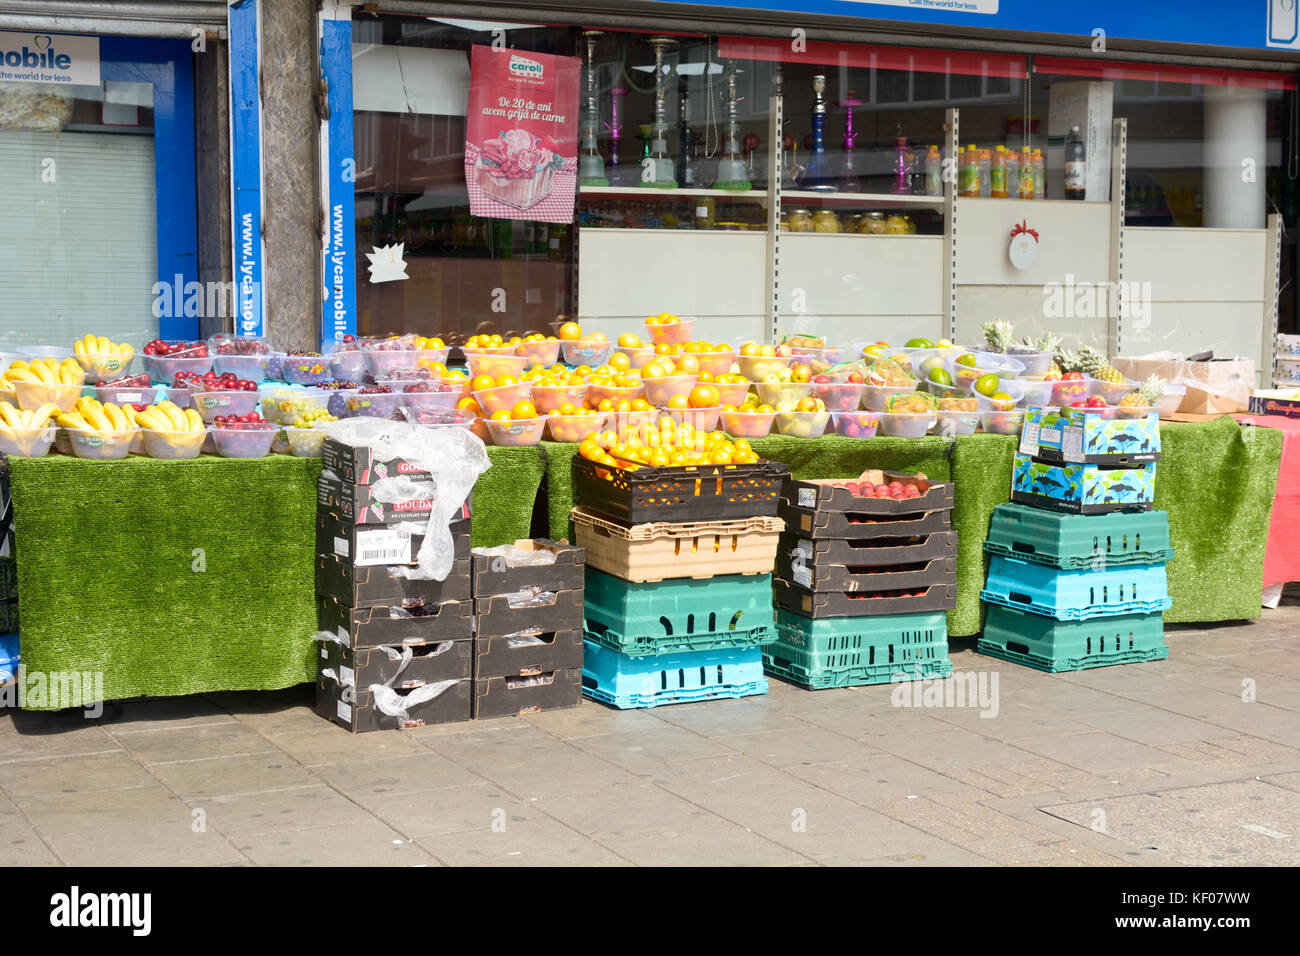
(203, 472)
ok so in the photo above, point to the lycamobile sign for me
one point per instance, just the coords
(49, 58)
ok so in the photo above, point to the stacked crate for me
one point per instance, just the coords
(528, 631)
(679, 579)
(413, 637)
(1077, 573)
(863, 582)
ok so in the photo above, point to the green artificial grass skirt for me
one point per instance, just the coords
(177, 578)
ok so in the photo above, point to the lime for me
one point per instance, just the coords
(940, 376)
(873, 350)
(934, 362)
(966, 359)
(943, 344)
(987, 384)
(919, 344)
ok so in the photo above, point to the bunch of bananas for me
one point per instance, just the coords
(25, 419)
(169, 417)
(91, 415)
(102, 345)
(45, 371)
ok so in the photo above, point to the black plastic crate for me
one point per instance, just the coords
(818, 604)
(554, 650)
(513, 696)
(687, 493)
(827, 494)
(494, 616)
(424, 663)
(375, 626)
(863, 525)
(870, 552)
(356, 710)
(493, 576)
(373, 586)
(858, 578)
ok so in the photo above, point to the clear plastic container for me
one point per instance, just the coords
(431, 357)
(105, 366)
(56, 352)
(1000, 362)
(163, 368)
(919, 358)
(905, 424)
(494, 363)
(432, 399)
(1034, 393)
(758, 367)
(1068, 391)
(381, 363)
(943, 391)
(32, 395)
(1105, 411)
(1134, 411)
(347, 365)
(856, 424)
(1002, 423)
(1036, 363)
(223, 402)
(459, 384)
(361, 404)
(952, 423)
(777, 392)
(838, 396)
(512, 434)
(675, 333)
(716, 363)
(701, 419)
(27, 442)
(639, 357)
(587, 353)
(549, 398)
(285, 405)
(101, 446)
(615, 393)
(1017, 394)
(876, 398)
(965, 376)
(802, 424)
(1170, 399)
(127, 394)
(546, 352)
(574, 428)
(659, 391)
(305, 369)
(442, 418)
(1112, 391)
(503, 397)
(243, 442)
(172, 445)
(305, 442)
(747, 424)
(253, 368)
(628, 423)
(732, 393)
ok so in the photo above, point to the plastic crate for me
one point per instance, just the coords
(697, 549)
(863, 525)
(819, 604)
(691, 493)
(1079, 541)
(1050, 645)
(626, 682)
(1077, 436)
(679, 616)
(854, 652)
(826, 576)
(1076, 595)
(1082, 489)
(828, 494)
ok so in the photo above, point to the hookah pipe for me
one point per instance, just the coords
(614, 126)
(750, 144)
(849, 182)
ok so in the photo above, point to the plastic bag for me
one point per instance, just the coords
(516, 557)
(397, 343)
(528, 637)
(530, 597)
(390, 702)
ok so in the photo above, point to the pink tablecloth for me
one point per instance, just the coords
(1282, 556)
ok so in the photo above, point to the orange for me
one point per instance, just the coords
(641, 405)
(678, 401)
(704, 396)
(570, 331)
(721, 455)
(568, 408)
(688, 365)
(482, 382)
(471, 405)
(606, 405)
(505, 380)
(620, 362)
(596, 337)
(501, 416)
(654, 370)
(629, 340)
(749, 348)
(523, 410)
(704, 379)
(623, 406)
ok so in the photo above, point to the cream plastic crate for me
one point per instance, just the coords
(647, 553)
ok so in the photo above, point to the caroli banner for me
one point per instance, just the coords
(521, 135)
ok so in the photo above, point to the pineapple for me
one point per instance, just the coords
(999, 335)
(1094, 363)
(1143, 398)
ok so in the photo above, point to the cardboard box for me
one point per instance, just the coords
(815, 563)
(494, 616)
(1088, 105)
(425, 663)
(1072, 435)
(494, 657)
(367, 545)
(357, 711)
(493, 576)
(358, 465)
(355, 503)
(375, 627)
(1280, 401)
(1082, 488)
(861, 525)
(373, 586)
(1214, 386)
(513, 696)
(818, 604)
(814, 576)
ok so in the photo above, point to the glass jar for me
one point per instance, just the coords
(851, 221)
(825, 220)
(704, 212)
(873, 224)
(800, 220)
(895, 225)
(911, 225)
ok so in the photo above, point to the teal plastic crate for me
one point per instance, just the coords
(679, 615)
(1079, 541)
(1076, 595)
(857, 651)
(640, 682)
(1055, 646)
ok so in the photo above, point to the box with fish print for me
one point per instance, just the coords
(1082, 488)
(1075, 436)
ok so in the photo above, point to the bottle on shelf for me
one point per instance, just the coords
(986, 172)
(970, 172)
(998, 174)
(1040, 175)
(1076, 165)
(933, 172)
(1012, 162)
(1027, 183)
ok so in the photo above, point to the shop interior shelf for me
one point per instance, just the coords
(872, 200)
(651, 193)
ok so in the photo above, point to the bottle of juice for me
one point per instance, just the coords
(1040, 176)
(933, 172)
(998, 174)
(970, 172)
(1026, 190)
(1013, 173)
(986, 172)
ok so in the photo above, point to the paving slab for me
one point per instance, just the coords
(709, 844)
(536, 842)
(370, 843)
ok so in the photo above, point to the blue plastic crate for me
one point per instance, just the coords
(1047, 644)
(857, 651)
(1076, 595)
(625, 682)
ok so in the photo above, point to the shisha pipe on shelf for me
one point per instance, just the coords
(733, 173)
(591, 167)
(659, 172)
(819, 177)
(848, 181)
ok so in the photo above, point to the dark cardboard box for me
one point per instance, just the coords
(494, 657)
(373, 627)
(494, 615)
(493, 576)
(429, 663)
(355, 503)
(819, 604)
(512, 696)
(356, 711)
(358, 465)
(370, 545)
(374, 586)
(860, 526)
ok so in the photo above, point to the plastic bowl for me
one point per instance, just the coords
(305, 369)
(1112, 391)
(492, 363)
(1106, 411)
(919, 357)
(1000, 362)
(856, 424)
(428, 401)
(27, 442)
(336, 401)
(101, 446)
(574, 428)
(716, 363)
(443, 418)
(1003, 423)
(943, 391)
(732, 393)
(381, 363)
(305, 442)
(615, 393)
(503, 397)
(587, 353)
(965, 376)
(674, 333)
(838, 396)
(953, 423)
(1033, 393)
(659, 391)
(640, 357)
(1017, 397)
(57, 352)
(1065, 391)
(35, 394)
(224, 402)
(876, 397)
(513, 434)
(360, 404)
(163, 368)
(549, 398)
(172, 445)
(747, 424)
(1134, 411)
(822, 357)
(461, 385)
(287, 404)
(243, 442)
(1035, 362)
(776, 392)
(701, 419)
(1170, 399)
(539, 353)
(802, 424)
(128, 394)
(430, 357)
(906, 424)
(105, 365)
(347, 365)
(758, 367)
(254, 368)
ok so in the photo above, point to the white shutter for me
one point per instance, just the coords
(78, 254)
